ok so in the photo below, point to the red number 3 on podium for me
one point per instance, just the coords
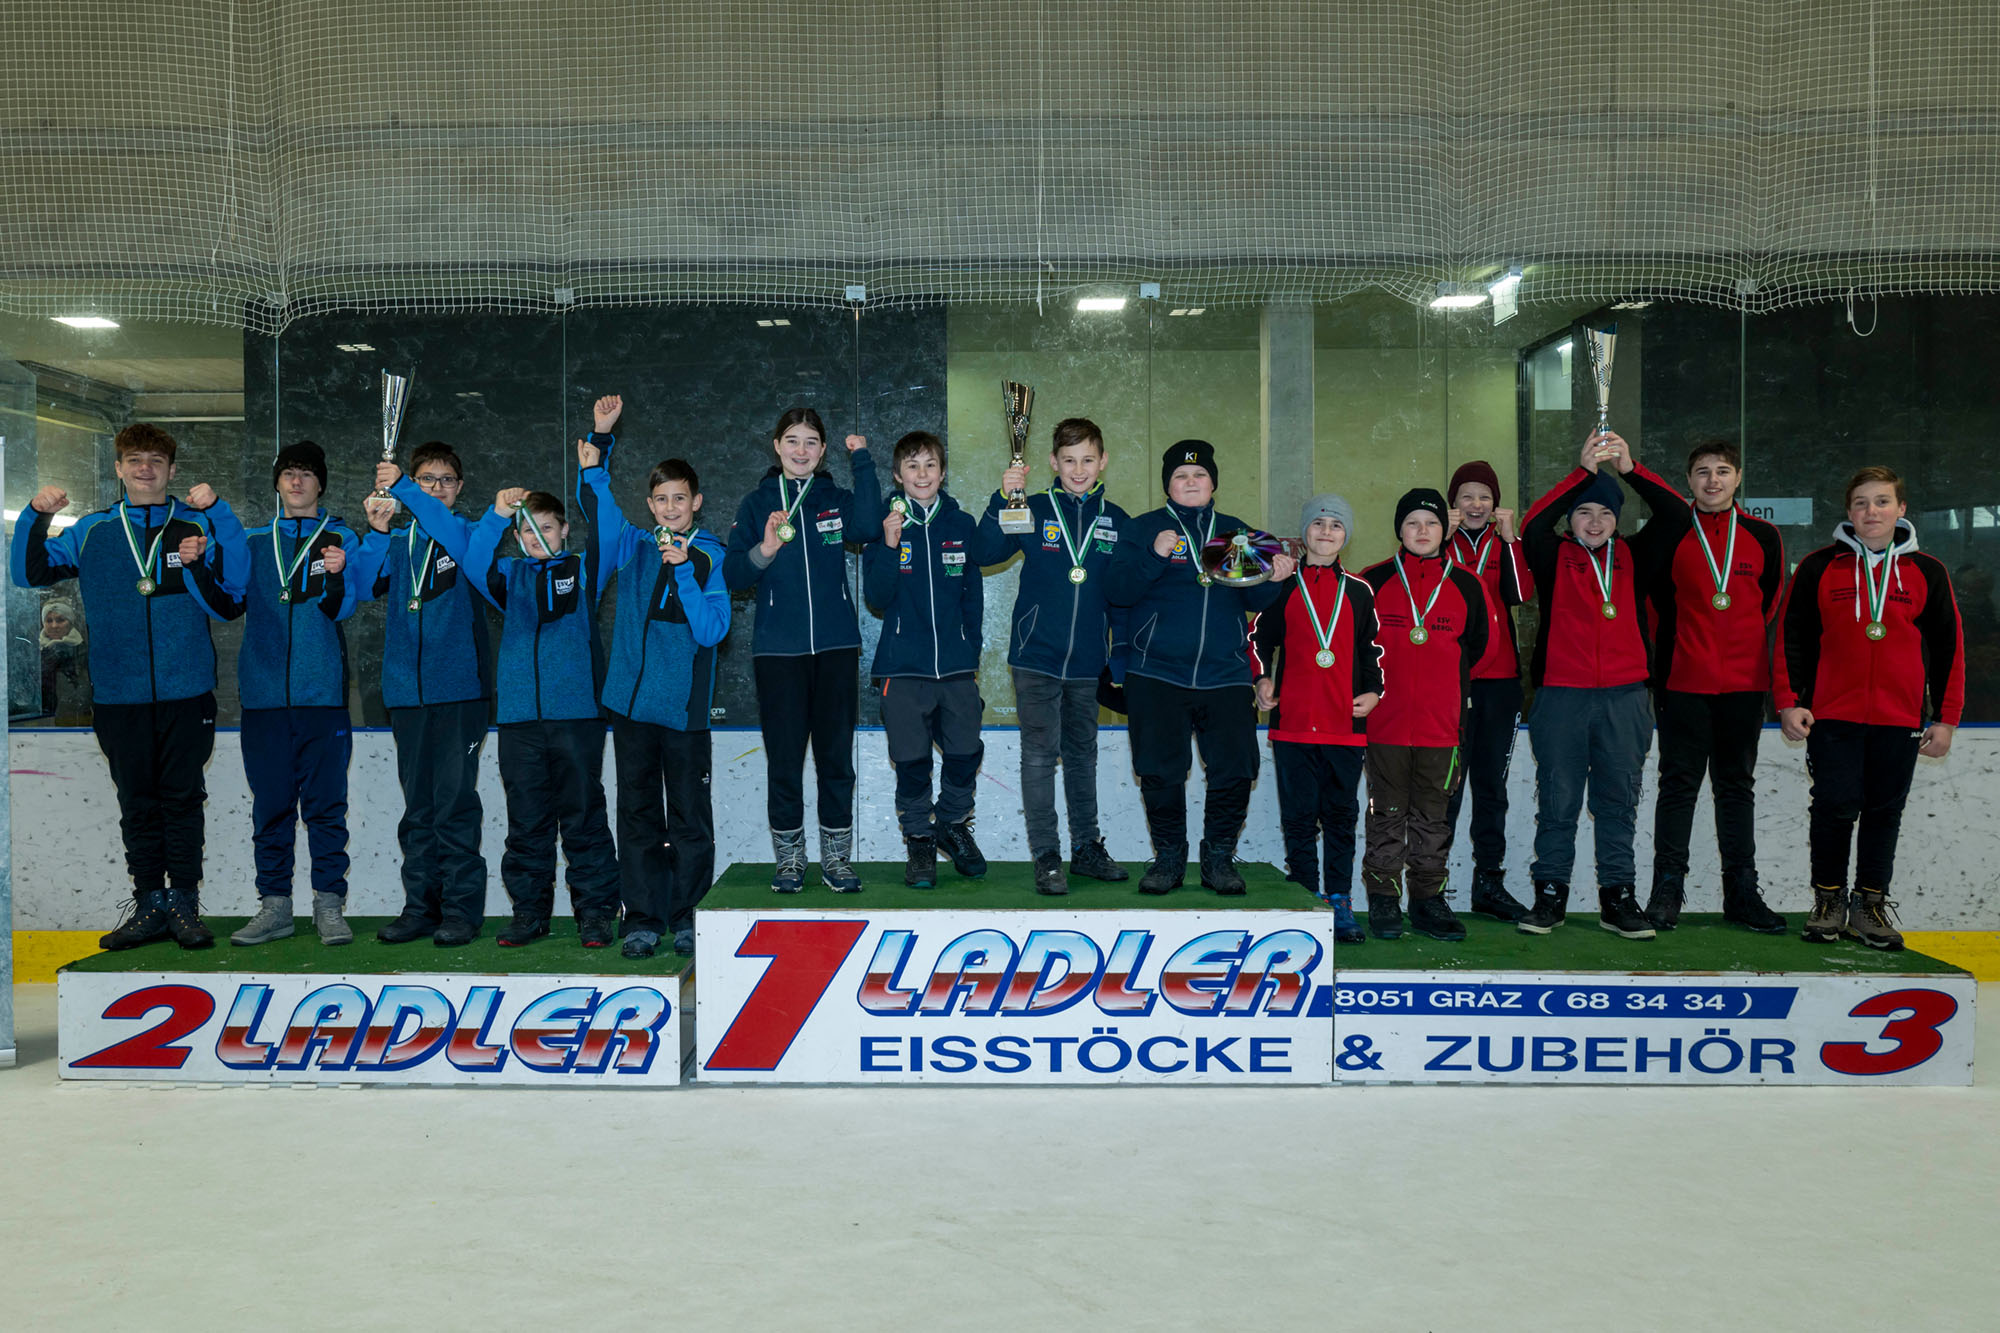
(1915, 1033)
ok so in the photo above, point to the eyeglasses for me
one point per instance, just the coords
(437, 480)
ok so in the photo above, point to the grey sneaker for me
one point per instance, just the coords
(1829, 915)
(641, 944)
(330, 920)
(1868, 920)
(836, 863)
(272, 922)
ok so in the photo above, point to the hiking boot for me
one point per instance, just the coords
(1828, 921)
(1385, 916)
(789, 847)
(272, 922)
(1168, 868)
(455, 933)
(1551, 907)
(184, 921)
(1092, 861)
(411, 925)
(330, 919)
(1218, 868)
(1663, 904)
(836, 856)
(1868, 920)
(920, 863)
(684, 942)
(1490, 897)
(148, 922)
(1618, 912)
(1433, 916)
(1346, 930)
(529, 925)
(1049, 877)
(641, 944)
(1744, 905)
(597, 930)
(955, 841)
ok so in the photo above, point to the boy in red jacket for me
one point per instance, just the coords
(1869, 646)
(1484, 543)
(1316, 649)
(1710, 575)
(1591, 723)
(1431, 627)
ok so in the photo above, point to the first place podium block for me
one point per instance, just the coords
(985, 981)
(551, 1015)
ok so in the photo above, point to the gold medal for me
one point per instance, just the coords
(1610, 611)
(899, 504)
(1203, 579)
(1875, 629)
(786, 532)
(285, 596)
(1324, 657)
(1720, 601)
(1077, 574)
(147, 587)
(1420, 636)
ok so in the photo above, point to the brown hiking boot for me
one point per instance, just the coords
(1868, 920)
(1829, 915)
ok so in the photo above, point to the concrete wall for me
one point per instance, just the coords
(69, 871)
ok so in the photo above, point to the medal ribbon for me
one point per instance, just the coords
(792, 509)
(288, 572)
(1325, 636)
(418, 582)
(1444, 577)
(1878, 595)
(915, 517)
(1482, 546)
(1608, 573)
(1194, 550)
(1720, 575)
(1055, 503)
(151, 560)
(524, 522)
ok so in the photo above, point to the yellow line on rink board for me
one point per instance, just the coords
(39, 953)
(1977, 951)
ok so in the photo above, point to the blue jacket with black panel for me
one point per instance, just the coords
(144, 648)
(669, 617)
(436, 651)
(550, 662)
(294, 653)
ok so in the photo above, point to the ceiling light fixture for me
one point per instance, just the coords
(1106, 304)
(1449, 297)
(86, 321)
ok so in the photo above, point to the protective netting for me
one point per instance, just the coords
(258, 161)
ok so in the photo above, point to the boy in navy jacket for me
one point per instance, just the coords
(551, 737)
(925, 585)
(151, 581)
(1058, 646)
(1189, 674)
(673, 609)
(435, 678)
(789, 545)
(292, 673)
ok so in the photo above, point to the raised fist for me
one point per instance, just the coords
(387, 474)
(202, 496)
(588, 454)
(1163, 545)
(191, 549)
(1503, 522)
(334, 559)
(604, 413)
(856, 442)
(50, 500)
(509, 500)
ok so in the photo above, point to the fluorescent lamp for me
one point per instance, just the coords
(763, 323)
(355, 347)
(1449, 297)
(86, 321)
(1506, 282)
(782, 323)
(1105, 303)
(1565, 347)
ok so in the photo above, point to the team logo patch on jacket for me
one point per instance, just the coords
(952, 556)
(903, 554)
(1051, 534)
(828, 525)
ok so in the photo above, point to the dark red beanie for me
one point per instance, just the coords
(1478, 470)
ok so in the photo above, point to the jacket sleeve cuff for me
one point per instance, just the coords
(758, 558)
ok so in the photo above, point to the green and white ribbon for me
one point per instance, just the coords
(1325, 656)
(1721, 599)
(288, 572)
(149, 563)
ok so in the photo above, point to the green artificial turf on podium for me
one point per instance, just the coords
(1703, 943)
(556, 954)
(1006, 886)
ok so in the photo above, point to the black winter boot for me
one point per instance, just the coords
(920, 867)
(1167, 870)
(1490, 896)
(1550, 909)
(1218, 868)
(147, 923)
(184, 920)
(1618, 912)
(1663, 904)
(1744, 905)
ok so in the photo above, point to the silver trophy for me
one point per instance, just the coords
(1017, 401)
(395, 397)
(1602, 343)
